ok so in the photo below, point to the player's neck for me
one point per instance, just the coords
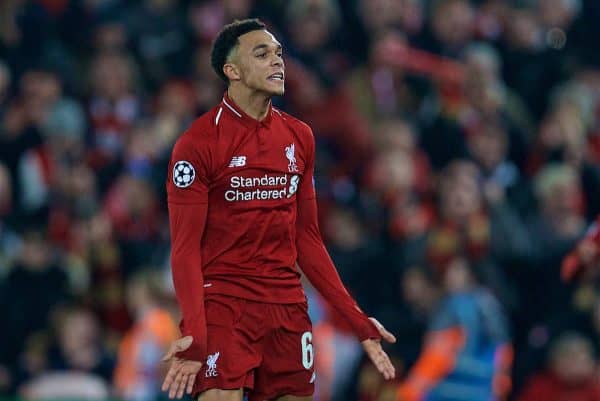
(253, 103)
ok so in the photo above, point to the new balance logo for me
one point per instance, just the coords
(238, 161)
(211, 363)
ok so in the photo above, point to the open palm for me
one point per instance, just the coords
(376, 353)
(182, 373)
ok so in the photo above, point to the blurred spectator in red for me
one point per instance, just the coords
(491, 236)
(380, 87)
(397, 182)
(330, 113)
(113, 108)
(132, 207)
(98, 245)
(570, 373)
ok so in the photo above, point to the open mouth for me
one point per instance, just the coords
(278, 76)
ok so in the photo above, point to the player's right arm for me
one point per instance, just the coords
(187, 194)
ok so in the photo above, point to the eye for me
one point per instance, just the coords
(261, 55)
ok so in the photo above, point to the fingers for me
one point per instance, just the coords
(380, 359)
(174, 390)
(182, 385)
(181, 377)
(387, 336)
(170, 376)
(190, 383)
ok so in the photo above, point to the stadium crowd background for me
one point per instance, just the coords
(447, 131)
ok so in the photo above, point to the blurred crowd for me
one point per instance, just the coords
(458, 162)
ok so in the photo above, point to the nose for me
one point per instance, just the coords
(277, 61)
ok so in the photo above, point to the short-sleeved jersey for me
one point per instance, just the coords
(252, 175)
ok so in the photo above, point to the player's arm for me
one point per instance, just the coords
(315, 262)
(187, 192)
(187, 227)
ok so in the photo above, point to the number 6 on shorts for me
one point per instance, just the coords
(308, 355)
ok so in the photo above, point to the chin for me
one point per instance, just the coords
(275, 90)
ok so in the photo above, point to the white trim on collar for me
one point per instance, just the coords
(218, 116)
(231, 108)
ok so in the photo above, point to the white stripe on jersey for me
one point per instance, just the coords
(232, 109)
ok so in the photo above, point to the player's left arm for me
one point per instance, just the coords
(315, 262)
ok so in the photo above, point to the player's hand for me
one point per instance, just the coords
(182, 373)
(376, 353)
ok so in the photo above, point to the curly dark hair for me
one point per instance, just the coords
(227, 39)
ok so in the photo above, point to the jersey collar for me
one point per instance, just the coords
(244, 118)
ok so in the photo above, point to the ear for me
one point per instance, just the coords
(232, 72)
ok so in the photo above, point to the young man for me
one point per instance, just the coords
(243, 212)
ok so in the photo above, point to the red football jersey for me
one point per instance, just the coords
(242, 211)
(250, 173)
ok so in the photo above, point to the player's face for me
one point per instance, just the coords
(260, 62)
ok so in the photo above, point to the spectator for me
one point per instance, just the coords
(139, 374)
(569, 373)
(79, 346)
(444, 129)
(468, 328)
(29, 292)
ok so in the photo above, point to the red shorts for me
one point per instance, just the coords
(264, 348)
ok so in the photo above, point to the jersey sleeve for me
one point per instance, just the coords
(306, 189)
(315, 262)
(188, 206)
(188, 174)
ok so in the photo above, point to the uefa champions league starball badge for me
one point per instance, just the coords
(183, 174)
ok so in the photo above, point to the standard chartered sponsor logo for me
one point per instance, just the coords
(265, 180)
(266, 187)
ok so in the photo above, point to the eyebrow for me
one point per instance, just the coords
(265, 46)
